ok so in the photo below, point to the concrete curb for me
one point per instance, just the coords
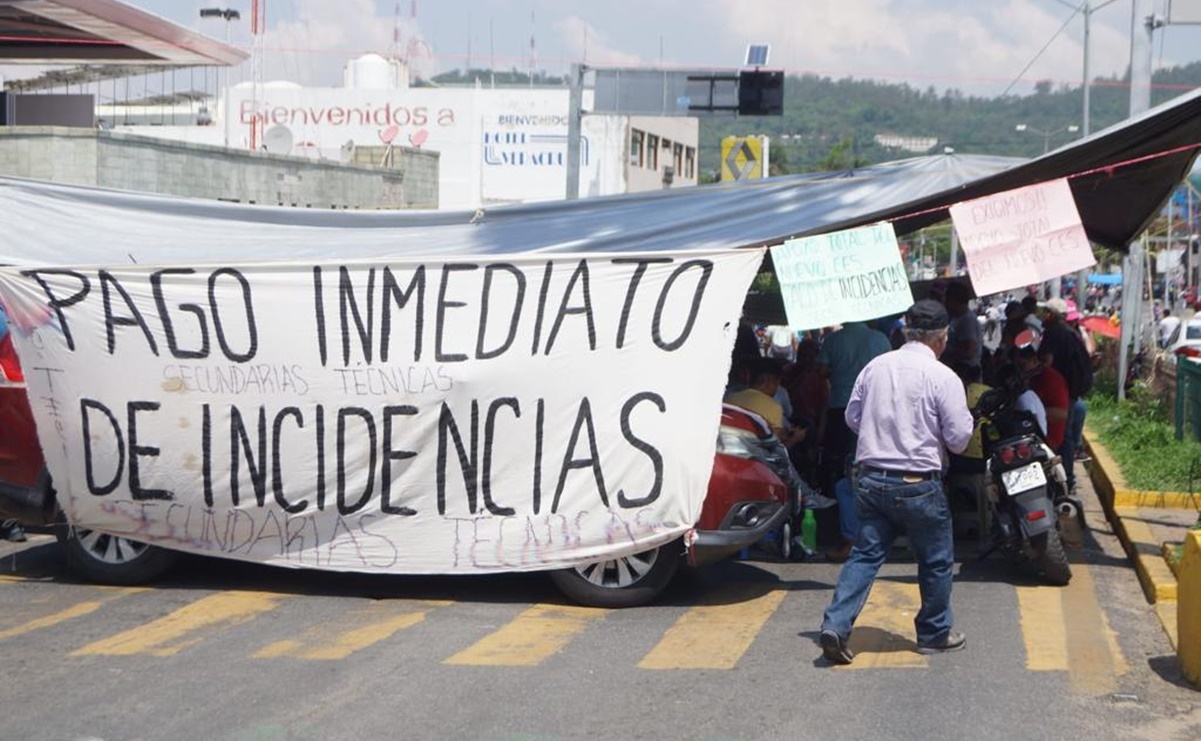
(1175, 594)
(1159, 583)
(1138, 498)
(1144, 549)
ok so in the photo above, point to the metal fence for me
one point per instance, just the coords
(1188, 399)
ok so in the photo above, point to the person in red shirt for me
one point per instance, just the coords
(808, 390)
(1051, 388)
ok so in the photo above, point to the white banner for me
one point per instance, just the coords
(1022, 236)
(846, 276)
(1167, 260)
(492, 413)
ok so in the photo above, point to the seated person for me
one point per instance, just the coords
(809, 393)
(971, 460)
(1051, 388)
(1011, 377)
(763, 381)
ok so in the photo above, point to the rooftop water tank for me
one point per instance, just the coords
(373, 72)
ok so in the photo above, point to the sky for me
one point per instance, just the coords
(981, 47)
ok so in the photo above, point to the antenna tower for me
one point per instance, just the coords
(258, 21)
(533, 49)
(394, 50)
(416, 48)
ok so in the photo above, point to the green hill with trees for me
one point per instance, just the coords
(833, 124)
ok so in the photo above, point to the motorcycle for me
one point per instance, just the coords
(1025, 486)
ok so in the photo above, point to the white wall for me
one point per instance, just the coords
(496, 145)
(603, 155)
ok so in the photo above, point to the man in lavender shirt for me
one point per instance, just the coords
(905, 406)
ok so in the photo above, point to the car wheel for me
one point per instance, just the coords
(111, 559)
(628, 581)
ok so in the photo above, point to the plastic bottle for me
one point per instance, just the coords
(809, 530)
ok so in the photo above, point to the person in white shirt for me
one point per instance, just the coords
(1010, 377)
(782, 343)
(1167, 326)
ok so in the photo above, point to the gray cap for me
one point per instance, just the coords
(927, 314)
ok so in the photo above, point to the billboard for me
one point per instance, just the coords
(744, 158)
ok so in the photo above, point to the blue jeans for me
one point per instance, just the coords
(1077, 414)
(1071, 439)
(887, 506)
(848, 524)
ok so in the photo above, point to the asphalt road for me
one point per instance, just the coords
(225, 650)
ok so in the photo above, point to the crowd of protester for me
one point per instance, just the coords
(801, 381)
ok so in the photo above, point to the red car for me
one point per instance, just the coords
(752, 492)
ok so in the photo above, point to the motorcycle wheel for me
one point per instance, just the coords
(1050, 559)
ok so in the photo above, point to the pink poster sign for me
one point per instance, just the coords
(1023, 236)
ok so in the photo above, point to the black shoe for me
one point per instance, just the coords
(12, 531)
(953, 641)
(834, 648)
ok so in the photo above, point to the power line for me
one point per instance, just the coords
(1030, 64)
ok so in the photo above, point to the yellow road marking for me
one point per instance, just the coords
(529, 639)
(712, 636)
(79, 610)
(1095, 657)
(69, 613)
(173, 633)
(347, 642)
(1044, 630)
(20, 579)
(879, 639)
(1065, 629)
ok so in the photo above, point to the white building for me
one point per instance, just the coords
(496, 145)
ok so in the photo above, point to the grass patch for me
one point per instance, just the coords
(1139, 434)
(1173, 553)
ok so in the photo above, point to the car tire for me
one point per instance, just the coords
(111, 559)
(102, 558)
(628, 581)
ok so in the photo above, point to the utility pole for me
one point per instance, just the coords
(258, 21)
(1085, 130)
(1142, 26)
(1086, 11)
(1188, 255)
(575, 115)
(952, 269)
(229, 14)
